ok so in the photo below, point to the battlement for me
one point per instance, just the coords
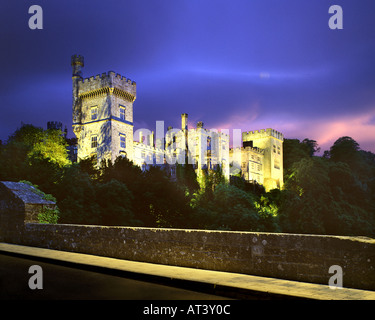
(200, 128)
(108, 79)
(110, 75)
(263, 133)
(241, 149)
(56, 125)
(77, 59)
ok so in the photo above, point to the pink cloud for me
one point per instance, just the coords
(327, 131)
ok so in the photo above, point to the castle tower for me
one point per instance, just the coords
(184, 128)
(77, 64)
(271, 141)
(102, 113)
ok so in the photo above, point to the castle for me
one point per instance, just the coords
(103, 125)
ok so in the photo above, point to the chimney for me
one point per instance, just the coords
(152, 139)
(184, 121)
(199, 124)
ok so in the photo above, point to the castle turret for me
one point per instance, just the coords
(77, 63)
(184, 121)
(184, 127)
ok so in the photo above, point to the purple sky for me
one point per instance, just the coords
(241, 64)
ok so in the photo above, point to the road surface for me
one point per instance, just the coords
(62, 282)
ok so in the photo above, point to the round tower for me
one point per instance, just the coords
(77, 63)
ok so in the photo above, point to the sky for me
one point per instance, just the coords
(239, 64)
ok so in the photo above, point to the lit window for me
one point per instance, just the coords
(94, 141)
(122, 141)
(94, 113)
(122, 113)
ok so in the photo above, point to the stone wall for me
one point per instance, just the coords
(297, 257)
(287, 256)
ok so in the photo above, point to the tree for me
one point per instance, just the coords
(294, 151)
(325, 197)
(77, 198)
(115, 201)
(362, 163)
(125, 171)
(167, 201)
(311, 146)
(345, 149)
(187, 177)
(34, 154)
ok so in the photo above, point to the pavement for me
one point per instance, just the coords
(234, 285)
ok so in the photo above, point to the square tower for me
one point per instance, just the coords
(102, 114)
(271, 141)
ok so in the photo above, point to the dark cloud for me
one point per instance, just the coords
(239, 63)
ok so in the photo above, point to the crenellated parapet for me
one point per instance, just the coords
(106, 91)
(111, 82)
(251, 149)
(263, 133)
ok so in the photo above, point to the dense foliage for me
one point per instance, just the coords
(332, 194)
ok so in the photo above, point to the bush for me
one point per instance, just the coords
(48, 215)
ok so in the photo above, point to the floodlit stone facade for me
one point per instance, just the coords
(270, 142)
(103, 125)
(102, 113)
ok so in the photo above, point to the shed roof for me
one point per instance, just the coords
(25, 192)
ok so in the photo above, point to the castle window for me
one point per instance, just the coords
(276, 164)
(209, 143)
(94, 113)
(94, 141)
(122, 113)
(122, 141)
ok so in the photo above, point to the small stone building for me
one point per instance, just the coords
(20, 203)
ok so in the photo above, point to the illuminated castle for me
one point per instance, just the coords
(102, 113)
(103, 125)
(260, 158)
